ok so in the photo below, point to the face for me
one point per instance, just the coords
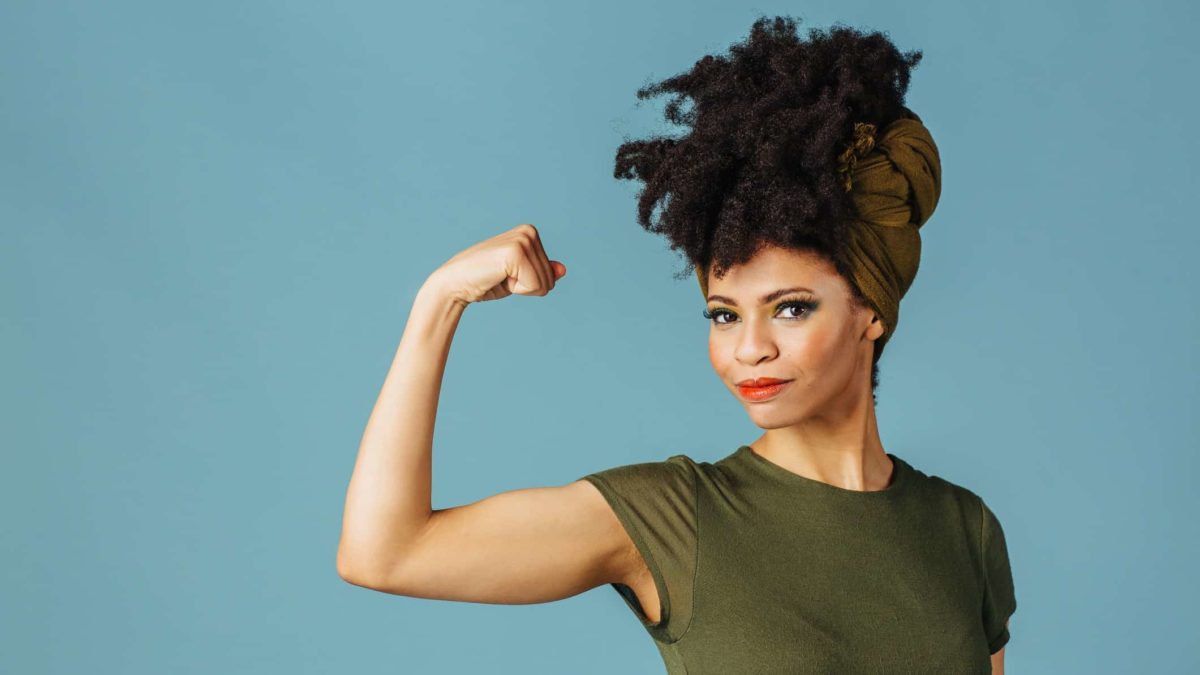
(819, 340)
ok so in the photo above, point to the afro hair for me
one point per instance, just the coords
(763, 161)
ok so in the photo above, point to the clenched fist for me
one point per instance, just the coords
(510, 262)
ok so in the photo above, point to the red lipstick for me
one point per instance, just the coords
(762, 388)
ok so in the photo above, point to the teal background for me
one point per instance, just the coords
(214, 217)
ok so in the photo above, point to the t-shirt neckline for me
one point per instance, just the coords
(899, 476)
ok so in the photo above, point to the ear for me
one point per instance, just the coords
(875, 329)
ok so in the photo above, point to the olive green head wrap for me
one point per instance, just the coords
(895, 180)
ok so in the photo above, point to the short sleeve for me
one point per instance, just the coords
(656, 504)
(999, 600)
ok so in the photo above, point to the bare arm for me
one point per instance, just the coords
(388, 502)
(998, 659)
(518, 547)
(521, 546)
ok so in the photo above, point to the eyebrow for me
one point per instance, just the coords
(773, 295)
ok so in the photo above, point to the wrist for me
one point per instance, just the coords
(435, 293)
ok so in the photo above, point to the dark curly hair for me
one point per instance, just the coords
(763, 161)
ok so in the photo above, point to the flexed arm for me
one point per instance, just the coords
(388, 501)
(520, 546)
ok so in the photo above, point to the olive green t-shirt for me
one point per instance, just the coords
(762, 570)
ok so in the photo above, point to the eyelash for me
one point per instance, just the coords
(807, 305)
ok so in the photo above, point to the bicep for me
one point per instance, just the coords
(518, 547)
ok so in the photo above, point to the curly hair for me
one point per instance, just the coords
(772, 127)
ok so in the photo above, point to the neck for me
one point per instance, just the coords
(840, 447)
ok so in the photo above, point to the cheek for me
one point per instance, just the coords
(815, 346)
(722, 354)
(810, 351)
(807, 352)
(716, 355)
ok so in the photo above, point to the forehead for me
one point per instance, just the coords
(774, 267)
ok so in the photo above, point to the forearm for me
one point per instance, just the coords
(388, 500)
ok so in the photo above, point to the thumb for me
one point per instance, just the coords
(560, 270)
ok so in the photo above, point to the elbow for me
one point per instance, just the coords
(343, 567)
(372, 563)
(351, 561)
(350, 571)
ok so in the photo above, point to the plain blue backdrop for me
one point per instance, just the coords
(215, 217)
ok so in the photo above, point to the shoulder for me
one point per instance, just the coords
(652, 493)
(949, 492)
(655, 503)
(676, 471)
(969, 508)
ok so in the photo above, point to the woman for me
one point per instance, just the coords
(797, 198)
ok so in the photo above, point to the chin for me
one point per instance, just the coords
(775, 418)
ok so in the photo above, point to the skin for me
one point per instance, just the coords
(822, 425)
(541, 544)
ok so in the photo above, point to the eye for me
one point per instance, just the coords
(711, 316)
(801, 308)
(800, 305)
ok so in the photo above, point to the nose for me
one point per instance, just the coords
(755, 344)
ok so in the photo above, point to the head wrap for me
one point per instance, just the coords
(895, 180)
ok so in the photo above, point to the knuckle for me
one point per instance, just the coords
(520, 247)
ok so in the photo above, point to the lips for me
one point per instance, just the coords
(761, 393)
(761, 382)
